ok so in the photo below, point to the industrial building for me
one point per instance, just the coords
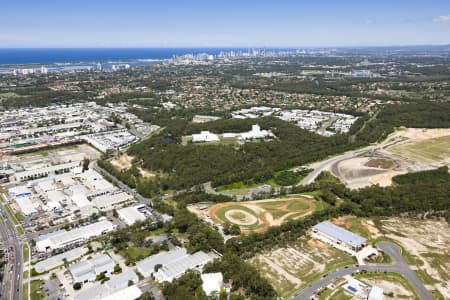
(114, 289)
(204, 119)
(47, 170)
(133, 214)
(147, 266)
(63, 238)
(86, 271)
(205, 136)
(338, 237)
(176, 268)
(58, 260)
(376, 293)
(212, 282)
(109, 202)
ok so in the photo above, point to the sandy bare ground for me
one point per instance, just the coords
(422, 133)
(122, 162)
(422, 238)
(356, 173)
(389, 286)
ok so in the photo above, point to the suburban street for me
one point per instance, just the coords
(399, 266)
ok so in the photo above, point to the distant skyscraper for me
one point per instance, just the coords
(99, 67)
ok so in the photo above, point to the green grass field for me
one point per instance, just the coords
(25, 252)
(36, 292)
(431, 150)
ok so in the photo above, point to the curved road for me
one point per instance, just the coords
(400, 267)
(327, 164)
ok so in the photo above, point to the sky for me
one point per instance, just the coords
(229, 23)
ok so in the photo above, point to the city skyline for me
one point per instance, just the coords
(140, 24)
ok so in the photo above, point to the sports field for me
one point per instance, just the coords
(432, 150)
(258, 216)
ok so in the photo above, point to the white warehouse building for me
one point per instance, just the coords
(63, 238)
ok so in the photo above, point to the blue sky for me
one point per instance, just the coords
(244, 23)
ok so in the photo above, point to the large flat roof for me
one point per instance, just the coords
(181, 265)
(148, 265)
(340, 234)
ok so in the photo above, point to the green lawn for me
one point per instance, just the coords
(297, 206)
(36, 292)
(26, 253)
(25, 292)
(136, 253)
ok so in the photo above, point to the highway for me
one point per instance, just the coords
(399, 266)
(11, 287)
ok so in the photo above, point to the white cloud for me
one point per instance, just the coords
(442, 19)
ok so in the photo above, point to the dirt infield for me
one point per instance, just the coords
(258, 216)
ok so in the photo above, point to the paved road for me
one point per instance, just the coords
(328, 163)
(11, 288)
(400, 267)
(121, 185)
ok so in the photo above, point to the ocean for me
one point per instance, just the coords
(22, 56)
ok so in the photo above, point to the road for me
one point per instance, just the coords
(121, 185)
(328, 163)
(400, 267)
(11, 287)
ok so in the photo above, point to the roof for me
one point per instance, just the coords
(147, 266)
(57, 260)
(26, 206)
(129, 293)
(340, 234)
(111, 200)
(98, 264)
(376, 293)
(131, 214)
(80, 233)
(121, 281)
(181, 265)
(212, 282)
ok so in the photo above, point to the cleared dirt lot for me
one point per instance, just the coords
(122, 162)
(425, 243)
(258, 216)
(291, 268)
(406, 150)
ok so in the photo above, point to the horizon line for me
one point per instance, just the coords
(229, 47)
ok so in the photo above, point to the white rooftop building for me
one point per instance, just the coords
(63, 238)
(212, 282)
(147, 266)
(87, 270)
(376, 293)
(255, 133)
(205, 136)
(176, 268)
(132, 214)
(109, 202)
(58, 260)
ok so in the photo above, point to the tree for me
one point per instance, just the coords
(157, 267)
(235, 229)
(86, 162)
(146, 296)
(117, 268)
(77, 286)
